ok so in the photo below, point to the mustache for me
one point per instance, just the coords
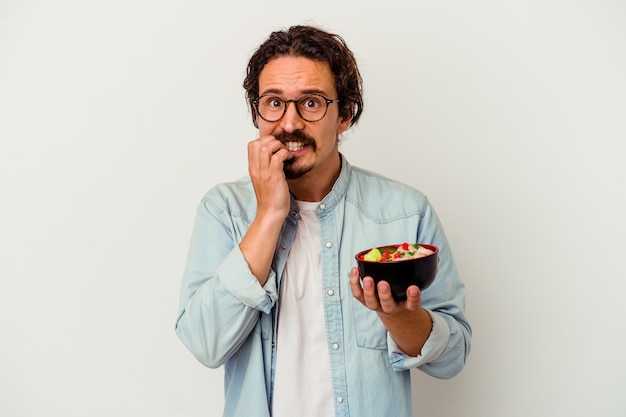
(296, 136)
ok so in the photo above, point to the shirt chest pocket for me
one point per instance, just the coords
(369, 330)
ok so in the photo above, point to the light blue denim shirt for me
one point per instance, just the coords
(227, 318)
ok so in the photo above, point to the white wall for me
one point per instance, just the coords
(117, 116)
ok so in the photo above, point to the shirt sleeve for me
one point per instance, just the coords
(448, 346)
(243, 285)
(220, 300)
(432, 349)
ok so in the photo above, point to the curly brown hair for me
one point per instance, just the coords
(316, 44)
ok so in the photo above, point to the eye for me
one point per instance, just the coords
(274, 102)
(311, 103)
(271, 103)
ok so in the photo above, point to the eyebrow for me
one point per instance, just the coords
(279, 92)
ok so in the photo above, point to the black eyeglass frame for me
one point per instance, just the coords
(295, 101)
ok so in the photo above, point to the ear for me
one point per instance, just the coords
(344, 124)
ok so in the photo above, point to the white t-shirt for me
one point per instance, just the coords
(303, 385)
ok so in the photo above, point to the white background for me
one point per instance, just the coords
(117, 116)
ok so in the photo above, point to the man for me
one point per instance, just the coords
(271, 291)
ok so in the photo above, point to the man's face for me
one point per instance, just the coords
(314, 145)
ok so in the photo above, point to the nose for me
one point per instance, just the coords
(291, 120)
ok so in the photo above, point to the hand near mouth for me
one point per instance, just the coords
(266, 159)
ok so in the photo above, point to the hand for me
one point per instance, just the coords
(383, 302)
(408, 323)
(266, 157)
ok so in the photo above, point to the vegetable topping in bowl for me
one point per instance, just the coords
(400, 253)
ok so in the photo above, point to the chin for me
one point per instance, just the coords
(293, 171)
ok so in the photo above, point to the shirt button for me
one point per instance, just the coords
(322, 206)
(283, 247)
(294, 213)
(339, 399)
(335, 346)
(331, 292)
(329, 244)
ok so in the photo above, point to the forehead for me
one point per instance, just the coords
(289, 75)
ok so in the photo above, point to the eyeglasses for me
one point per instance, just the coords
(310, 107)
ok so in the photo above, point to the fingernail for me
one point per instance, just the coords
(413, 292)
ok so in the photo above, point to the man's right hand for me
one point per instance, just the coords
(266, 157)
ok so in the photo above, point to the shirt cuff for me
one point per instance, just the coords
(236, 277)
(432, 349)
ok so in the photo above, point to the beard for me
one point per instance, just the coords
(290, 167)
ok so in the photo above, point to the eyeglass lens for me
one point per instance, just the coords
(311, 107)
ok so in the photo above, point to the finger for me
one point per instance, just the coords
(265, 146)
(413, 298)
(387, 303)
(279, 157)
(266, 155)
(274, 146)
(277, 152)
(369, 294)
(355, 285)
